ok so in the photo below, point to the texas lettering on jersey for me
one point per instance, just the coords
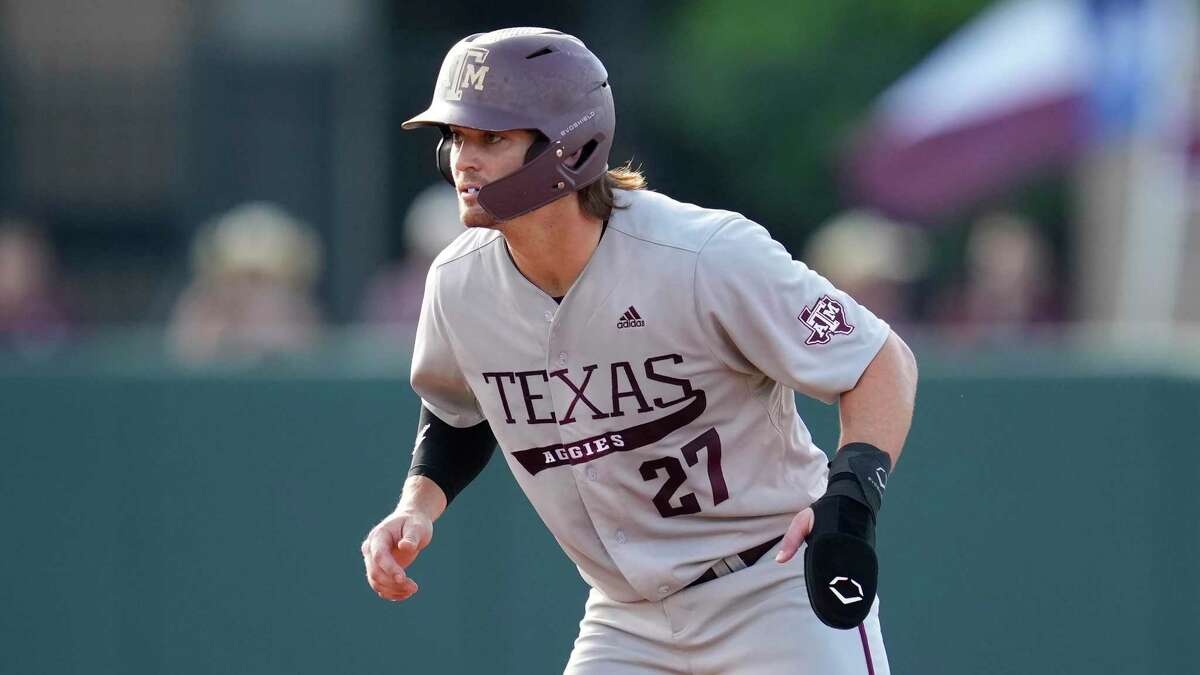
(624, 385)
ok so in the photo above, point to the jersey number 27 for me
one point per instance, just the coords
(677, 476)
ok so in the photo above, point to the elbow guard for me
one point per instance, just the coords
(450, 456)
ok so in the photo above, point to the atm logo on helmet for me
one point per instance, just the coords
(469, 73)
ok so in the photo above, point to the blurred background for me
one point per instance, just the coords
(213, 241)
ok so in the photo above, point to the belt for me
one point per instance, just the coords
(735, 562)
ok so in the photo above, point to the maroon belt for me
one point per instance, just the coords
(724, 566)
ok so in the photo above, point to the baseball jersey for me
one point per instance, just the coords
(650, 417)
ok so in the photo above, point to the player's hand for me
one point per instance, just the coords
(390, 548)
(801, 525)
(841, 570)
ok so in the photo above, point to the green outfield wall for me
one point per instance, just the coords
(187, 524)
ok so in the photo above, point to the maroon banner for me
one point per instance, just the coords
(623, 440)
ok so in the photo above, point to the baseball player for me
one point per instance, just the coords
(636, 360)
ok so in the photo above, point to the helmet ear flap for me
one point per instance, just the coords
(443, 154)
(539, 145)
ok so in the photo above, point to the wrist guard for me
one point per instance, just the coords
(860, 471)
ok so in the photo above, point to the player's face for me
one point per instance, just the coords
(480, 157)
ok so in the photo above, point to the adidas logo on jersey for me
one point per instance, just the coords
(630, 319)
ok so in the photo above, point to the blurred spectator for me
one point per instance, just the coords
(252, 291)
(1009, 286)
(33, 315)
(875, 260)
(394, 296)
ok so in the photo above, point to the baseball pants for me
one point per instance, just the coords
(756, 621)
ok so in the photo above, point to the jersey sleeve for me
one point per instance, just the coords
(436, 375)
(763, 311)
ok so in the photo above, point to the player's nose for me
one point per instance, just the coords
(464, 158)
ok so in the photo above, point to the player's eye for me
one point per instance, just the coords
(456, 138)
(492, 139)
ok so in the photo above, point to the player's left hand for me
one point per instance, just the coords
(801, 525)
(841, 571)
(840, 568)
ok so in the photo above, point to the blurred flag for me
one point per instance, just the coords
(1026, 86)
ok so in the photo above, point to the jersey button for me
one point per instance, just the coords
(664, 589)
(562, 358)
(591, 473)
(549, 316)
(621, 539)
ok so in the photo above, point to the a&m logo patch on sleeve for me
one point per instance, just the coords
(825, 319)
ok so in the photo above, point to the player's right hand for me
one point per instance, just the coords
(390, 548)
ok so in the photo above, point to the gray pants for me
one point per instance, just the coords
(756, 621)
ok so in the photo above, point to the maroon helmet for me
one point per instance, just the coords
(527, 78)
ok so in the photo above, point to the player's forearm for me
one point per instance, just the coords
(422, 495)
(880, 407)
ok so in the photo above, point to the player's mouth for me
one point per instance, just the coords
(468, 191)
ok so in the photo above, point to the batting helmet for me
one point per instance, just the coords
(527, 78)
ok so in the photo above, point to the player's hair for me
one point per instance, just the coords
(597, 199)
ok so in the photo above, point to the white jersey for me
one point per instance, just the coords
(650, 417)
